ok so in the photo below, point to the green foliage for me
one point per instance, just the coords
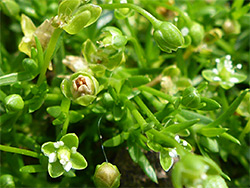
(94, 79)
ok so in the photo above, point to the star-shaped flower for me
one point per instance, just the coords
(224, 74)
(63, 155)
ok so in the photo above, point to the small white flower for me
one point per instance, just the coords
(203, 176)
(52, 157)
(83, 85)
(67, 166)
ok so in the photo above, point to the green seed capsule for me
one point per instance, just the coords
(107, 175)
(197, 33)
(191, 98)
(14, 103)
(168, 37)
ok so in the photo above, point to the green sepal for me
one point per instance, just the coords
(77, 23)
(75, 116)
(70, 140)
(14, 103)
(165, 160)
(67, 7)
(54, 111)
(55, 169)
(85, 100)
(78, 161)
(48, 148)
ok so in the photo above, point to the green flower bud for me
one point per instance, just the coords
(7, 181)
(107, 175)
(10, 7)
(231, 27)
(14, 103)
(214, 181)
(81, 87)
(30, 66)
(168, 37)
(72, 17)
(191, 98)
(196, 32)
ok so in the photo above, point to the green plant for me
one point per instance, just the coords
(98, 79)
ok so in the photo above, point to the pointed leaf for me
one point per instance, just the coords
(212, 132)
(55, 169)
(54, 111)
(210, 104)
(75, 116)
(33, 169)
(115, 141)
(70, 140)
(78, 161)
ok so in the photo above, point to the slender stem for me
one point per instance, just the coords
(223, 97)
(245, 130)
(231, 109)
(147, 111)
(142, 61)
(158, 93)
(155, 22)
(49, 53)
(65, 106)
(2, 95)
(19, 151)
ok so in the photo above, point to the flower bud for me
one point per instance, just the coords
(123, 13)
(196, 32)
(14, 103)
(191, 98)
(10, 7)
(214, 181)
(30, 66)
(81, 87)
(231, 26)
(107, 175)
(168, 37)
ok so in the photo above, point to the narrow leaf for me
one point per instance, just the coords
(33, 169)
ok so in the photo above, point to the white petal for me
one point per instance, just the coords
(73, 150)
(52, 157)
(68, 166)
(234, 80)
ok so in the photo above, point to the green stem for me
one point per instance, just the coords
(65, 106)
(245, 131)
(155, 22)
(138, 117)
(147, 111)
(157, 93)
(231, 109)
(142, 61)
(223, 98)
(2, 95)
(19, 151)
(49, 53)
